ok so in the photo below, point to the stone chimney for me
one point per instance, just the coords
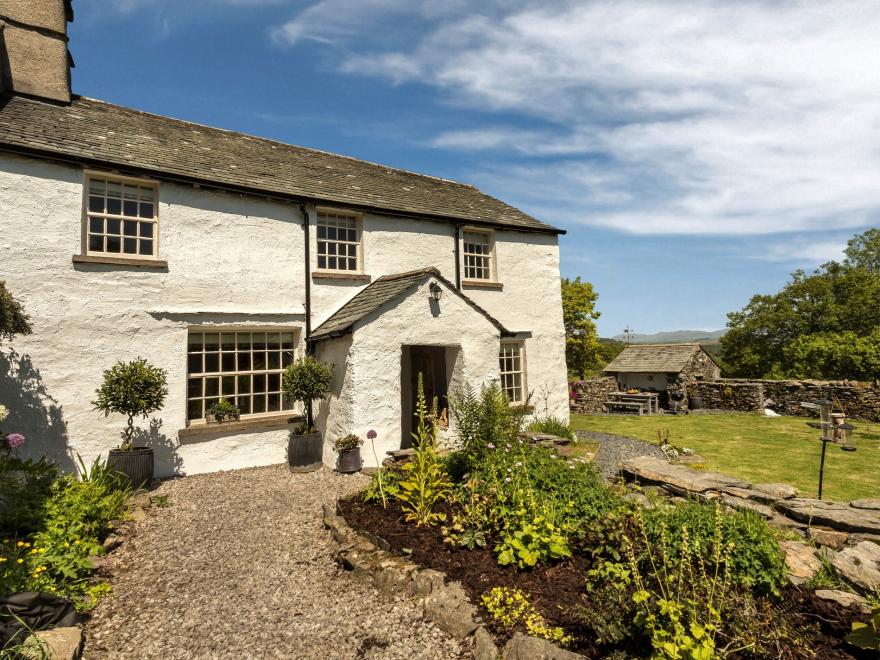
(33, 48)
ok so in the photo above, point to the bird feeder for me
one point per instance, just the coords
(834, 429)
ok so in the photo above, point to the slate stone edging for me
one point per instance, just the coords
(445, 603)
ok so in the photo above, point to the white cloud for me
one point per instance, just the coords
(649, 116)
(803, 251)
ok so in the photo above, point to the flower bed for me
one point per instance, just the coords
(546, 548)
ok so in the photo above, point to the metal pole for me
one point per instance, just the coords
(822, 466)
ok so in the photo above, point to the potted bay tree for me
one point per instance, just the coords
(307, 380)
(134, 389)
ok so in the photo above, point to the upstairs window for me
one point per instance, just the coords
(512, 367)
(477, 252)
(242, 366)
(121, 217)
(339, 246)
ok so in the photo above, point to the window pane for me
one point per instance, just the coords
(274, 382)
(114, 244)
(130, 228)
(228, 385)
(146, 210)
(227, 341)
(331, 263)
(212, 362)
(130, 245)
(146, 193)
(228, 361)
(194, 409)
(97, 186)
(259, 341)
(322, 232)
(244, 384)
(244, 405)
(146, 230)
(194, 387)
(114, 189)
(260, 404)
(96, 243)
(274, 360)
(274, 402)
(146, 247)
(259, 361)
(212, 386)
(322, 262)
(96, 204)
(130, 208)
(286, 358)
(195, 341)
(194, 364)
(113, 226)
(286, 340)
(212, 341)
(259, 383)
(244, 361)
(114, 206)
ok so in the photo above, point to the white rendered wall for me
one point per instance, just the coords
(231, 260)
(240, 258)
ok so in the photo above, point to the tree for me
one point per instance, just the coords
(131, 388)
(307, 380)
(13, 320)
(578, 316)
(834, 307)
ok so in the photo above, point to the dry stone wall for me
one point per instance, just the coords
(857, 400)
(589, 394)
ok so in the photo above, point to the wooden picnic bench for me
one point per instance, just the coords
(642, 402)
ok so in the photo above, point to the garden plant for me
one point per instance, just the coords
(134, 389)
(305, 381)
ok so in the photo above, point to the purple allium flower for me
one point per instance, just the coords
(490, 446)
(371, 434)
(14, 440)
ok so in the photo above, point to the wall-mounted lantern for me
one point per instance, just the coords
(436, 291)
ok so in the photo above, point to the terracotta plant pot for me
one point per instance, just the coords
(349, 461)
(135, 463)
(305, 453)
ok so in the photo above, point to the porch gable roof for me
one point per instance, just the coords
(382, 291)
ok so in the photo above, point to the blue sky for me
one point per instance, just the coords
(697, 152)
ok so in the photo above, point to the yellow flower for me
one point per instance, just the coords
(20, 561)
(2, 559)
(20, 543)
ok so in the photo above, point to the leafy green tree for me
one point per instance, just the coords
(773, 335)
(307, 380)
(582, 350)
(13, 320)
(131, 388)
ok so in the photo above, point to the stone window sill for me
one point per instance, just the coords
(335, 275)
(482, 284)
(264, 423)
(158, 264)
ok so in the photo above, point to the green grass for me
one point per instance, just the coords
(761, 449)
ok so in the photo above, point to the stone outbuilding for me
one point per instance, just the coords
(663, 368)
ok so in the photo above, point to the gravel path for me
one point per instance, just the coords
(614, 449)
(239, 566)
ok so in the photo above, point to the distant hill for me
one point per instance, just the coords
(677, 337)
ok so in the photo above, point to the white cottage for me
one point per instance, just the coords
(221, 257)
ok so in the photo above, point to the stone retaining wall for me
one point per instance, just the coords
(857, 400)
(445, 603)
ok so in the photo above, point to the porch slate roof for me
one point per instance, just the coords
(384, 290)
(653, 358)
(99, 134)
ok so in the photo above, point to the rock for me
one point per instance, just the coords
(425, 581)
(484, 645)
(776, 491)
(101, 565)
(55, 644)
(844, 598)
(659, 471)
(871, 504)
(751, 494)
(689, 459)
(141, 500)
(112, 542)
(830, 538)
(836, 515)
(860, 565)
(450, 609)
(640, 499)
(747, 505)
(390, 575)
(801, 561)
(138, 515)
(522, 647)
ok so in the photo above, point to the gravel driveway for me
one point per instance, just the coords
(239, 566)
(614, 449)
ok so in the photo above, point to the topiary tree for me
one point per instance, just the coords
(307, 380)
(131, 388)
(13, 320)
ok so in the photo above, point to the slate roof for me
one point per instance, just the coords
(382, 291)
(652, 358)
(102, 134)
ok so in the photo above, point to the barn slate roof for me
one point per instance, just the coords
(653, 358)
(102, 134)
(382, 291)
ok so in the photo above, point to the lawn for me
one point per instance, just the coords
(761, 449)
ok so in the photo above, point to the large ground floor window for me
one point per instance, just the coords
(242, 366)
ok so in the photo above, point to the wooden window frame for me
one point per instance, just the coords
(492, 266)
(89, 255)
(358, 219)
(523, 393)
(219, 374)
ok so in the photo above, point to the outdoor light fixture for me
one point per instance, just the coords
(834, 429)
(436, 291)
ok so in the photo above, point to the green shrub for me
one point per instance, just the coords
(134, 389)
(553, 426)
(757, 562)
(384, 483)
(223, 410)
(484, 419)
(24, 487)
(511, 609)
